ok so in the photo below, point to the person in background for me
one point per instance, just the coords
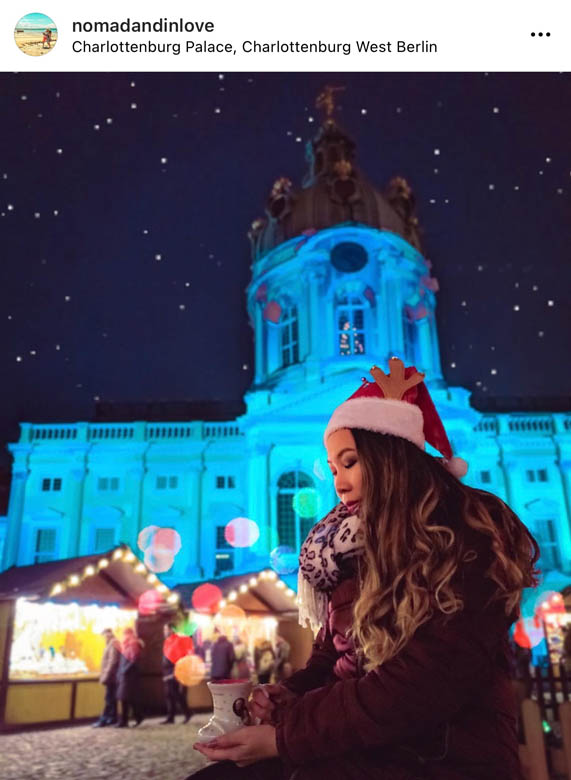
(108, 678)
(222, 657)
(175, 692)
(283, 650)
(128, 678)
(264, 658)
(241, 668)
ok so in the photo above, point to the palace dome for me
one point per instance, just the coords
(334, 192)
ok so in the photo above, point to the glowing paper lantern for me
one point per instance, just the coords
(232, 612)
(206, 598)
(284, 560)
(190, 670)
(149, 602)
(241, 532)
(307, 502)
(145, 537)
(176, 647)
(272, 312)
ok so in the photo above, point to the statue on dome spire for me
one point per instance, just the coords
(326, 101)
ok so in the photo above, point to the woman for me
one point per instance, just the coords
(414, 579)
(128, 678)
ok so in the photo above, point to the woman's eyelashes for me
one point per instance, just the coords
(345, 466)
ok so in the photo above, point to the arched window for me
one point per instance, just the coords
(289, 338)
(350, 319)
(296, 509)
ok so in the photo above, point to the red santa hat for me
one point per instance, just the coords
(398, 403)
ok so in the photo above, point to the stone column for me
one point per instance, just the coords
(20, 475)
(259, 345)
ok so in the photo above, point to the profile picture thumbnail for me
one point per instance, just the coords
(35, 34)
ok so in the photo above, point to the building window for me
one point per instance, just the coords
(51, 484)
(485, 477)
(167, 483)
(546, 536)
(537, 475)
(108, 483)
(351, 325)
(224, 555)
(45, 545)
(292, 527)
(225, 482)
(289, 336)
(104, 539)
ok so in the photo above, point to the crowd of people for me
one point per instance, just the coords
(225, 660)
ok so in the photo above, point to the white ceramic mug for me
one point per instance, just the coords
(229, 699)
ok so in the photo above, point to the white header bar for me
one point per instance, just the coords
(413, 35)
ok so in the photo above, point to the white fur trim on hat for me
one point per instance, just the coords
(381, 415)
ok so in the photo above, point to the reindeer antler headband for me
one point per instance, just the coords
(397, 403)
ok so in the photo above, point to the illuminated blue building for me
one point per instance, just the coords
(338, 283)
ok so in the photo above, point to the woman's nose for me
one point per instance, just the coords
(342, 485)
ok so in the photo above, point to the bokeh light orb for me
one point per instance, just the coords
(190, 670)
(205, 598)
(149, 602)
(232, 612)
(284, 560)
(241, 532)
(167, 538)
(186, 627)
(307, 502)
(158, 559)
(549, 601)
(145, 537)
(528, 632)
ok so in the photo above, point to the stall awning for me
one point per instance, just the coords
(257, 593)
(115, 577)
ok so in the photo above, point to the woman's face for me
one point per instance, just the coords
(344, 464)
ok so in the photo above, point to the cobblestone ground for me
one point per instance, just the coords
(84, 753)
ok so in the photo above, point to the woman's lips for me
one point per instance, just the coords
(353, 506)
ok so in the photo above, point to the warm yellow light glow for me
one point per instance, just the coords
(57, 588)
(290, 593)
(103, 563)
(243, 588)
(223, 603)
(253, 582)
(272, 575)
(89, 571)
(263, 575)
(117, 554)
(161, 588)
(173, 598)
(129, 556)
(152, 578)
(280, 584)
(74, 579)
(232, 596)
(140, 567)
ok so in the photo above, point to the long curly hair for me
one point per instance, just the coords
(421, 526)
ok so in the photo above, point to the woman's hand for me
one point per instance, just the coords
(244, 746)
(266, 700)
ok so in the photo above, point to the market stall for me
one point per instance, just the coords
(249, 608)
(51, 618)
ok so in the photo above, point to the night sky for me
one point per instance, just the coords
(125, 200)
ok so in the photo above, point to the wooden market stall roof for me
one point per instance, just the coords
(257, 593)
(115, 577)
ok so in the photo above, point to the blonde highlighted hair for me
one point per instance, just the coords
(421, 526)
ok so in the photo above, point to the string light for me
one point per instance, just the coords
(57, 588)
(243, 588)
(74, 579)
(103, 563)
(117, 554)
(141, 567)
(152, 578)
(232, 596)
(89, 571)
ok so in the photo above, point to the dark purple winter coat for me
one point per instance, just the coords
(443, 708)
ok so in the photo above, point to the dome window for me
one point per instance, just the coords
(348, 256)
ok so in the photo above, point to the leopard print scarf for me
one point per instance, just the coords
(327, 557)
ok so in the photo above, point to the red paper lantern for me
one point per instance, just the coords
(176, 647)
